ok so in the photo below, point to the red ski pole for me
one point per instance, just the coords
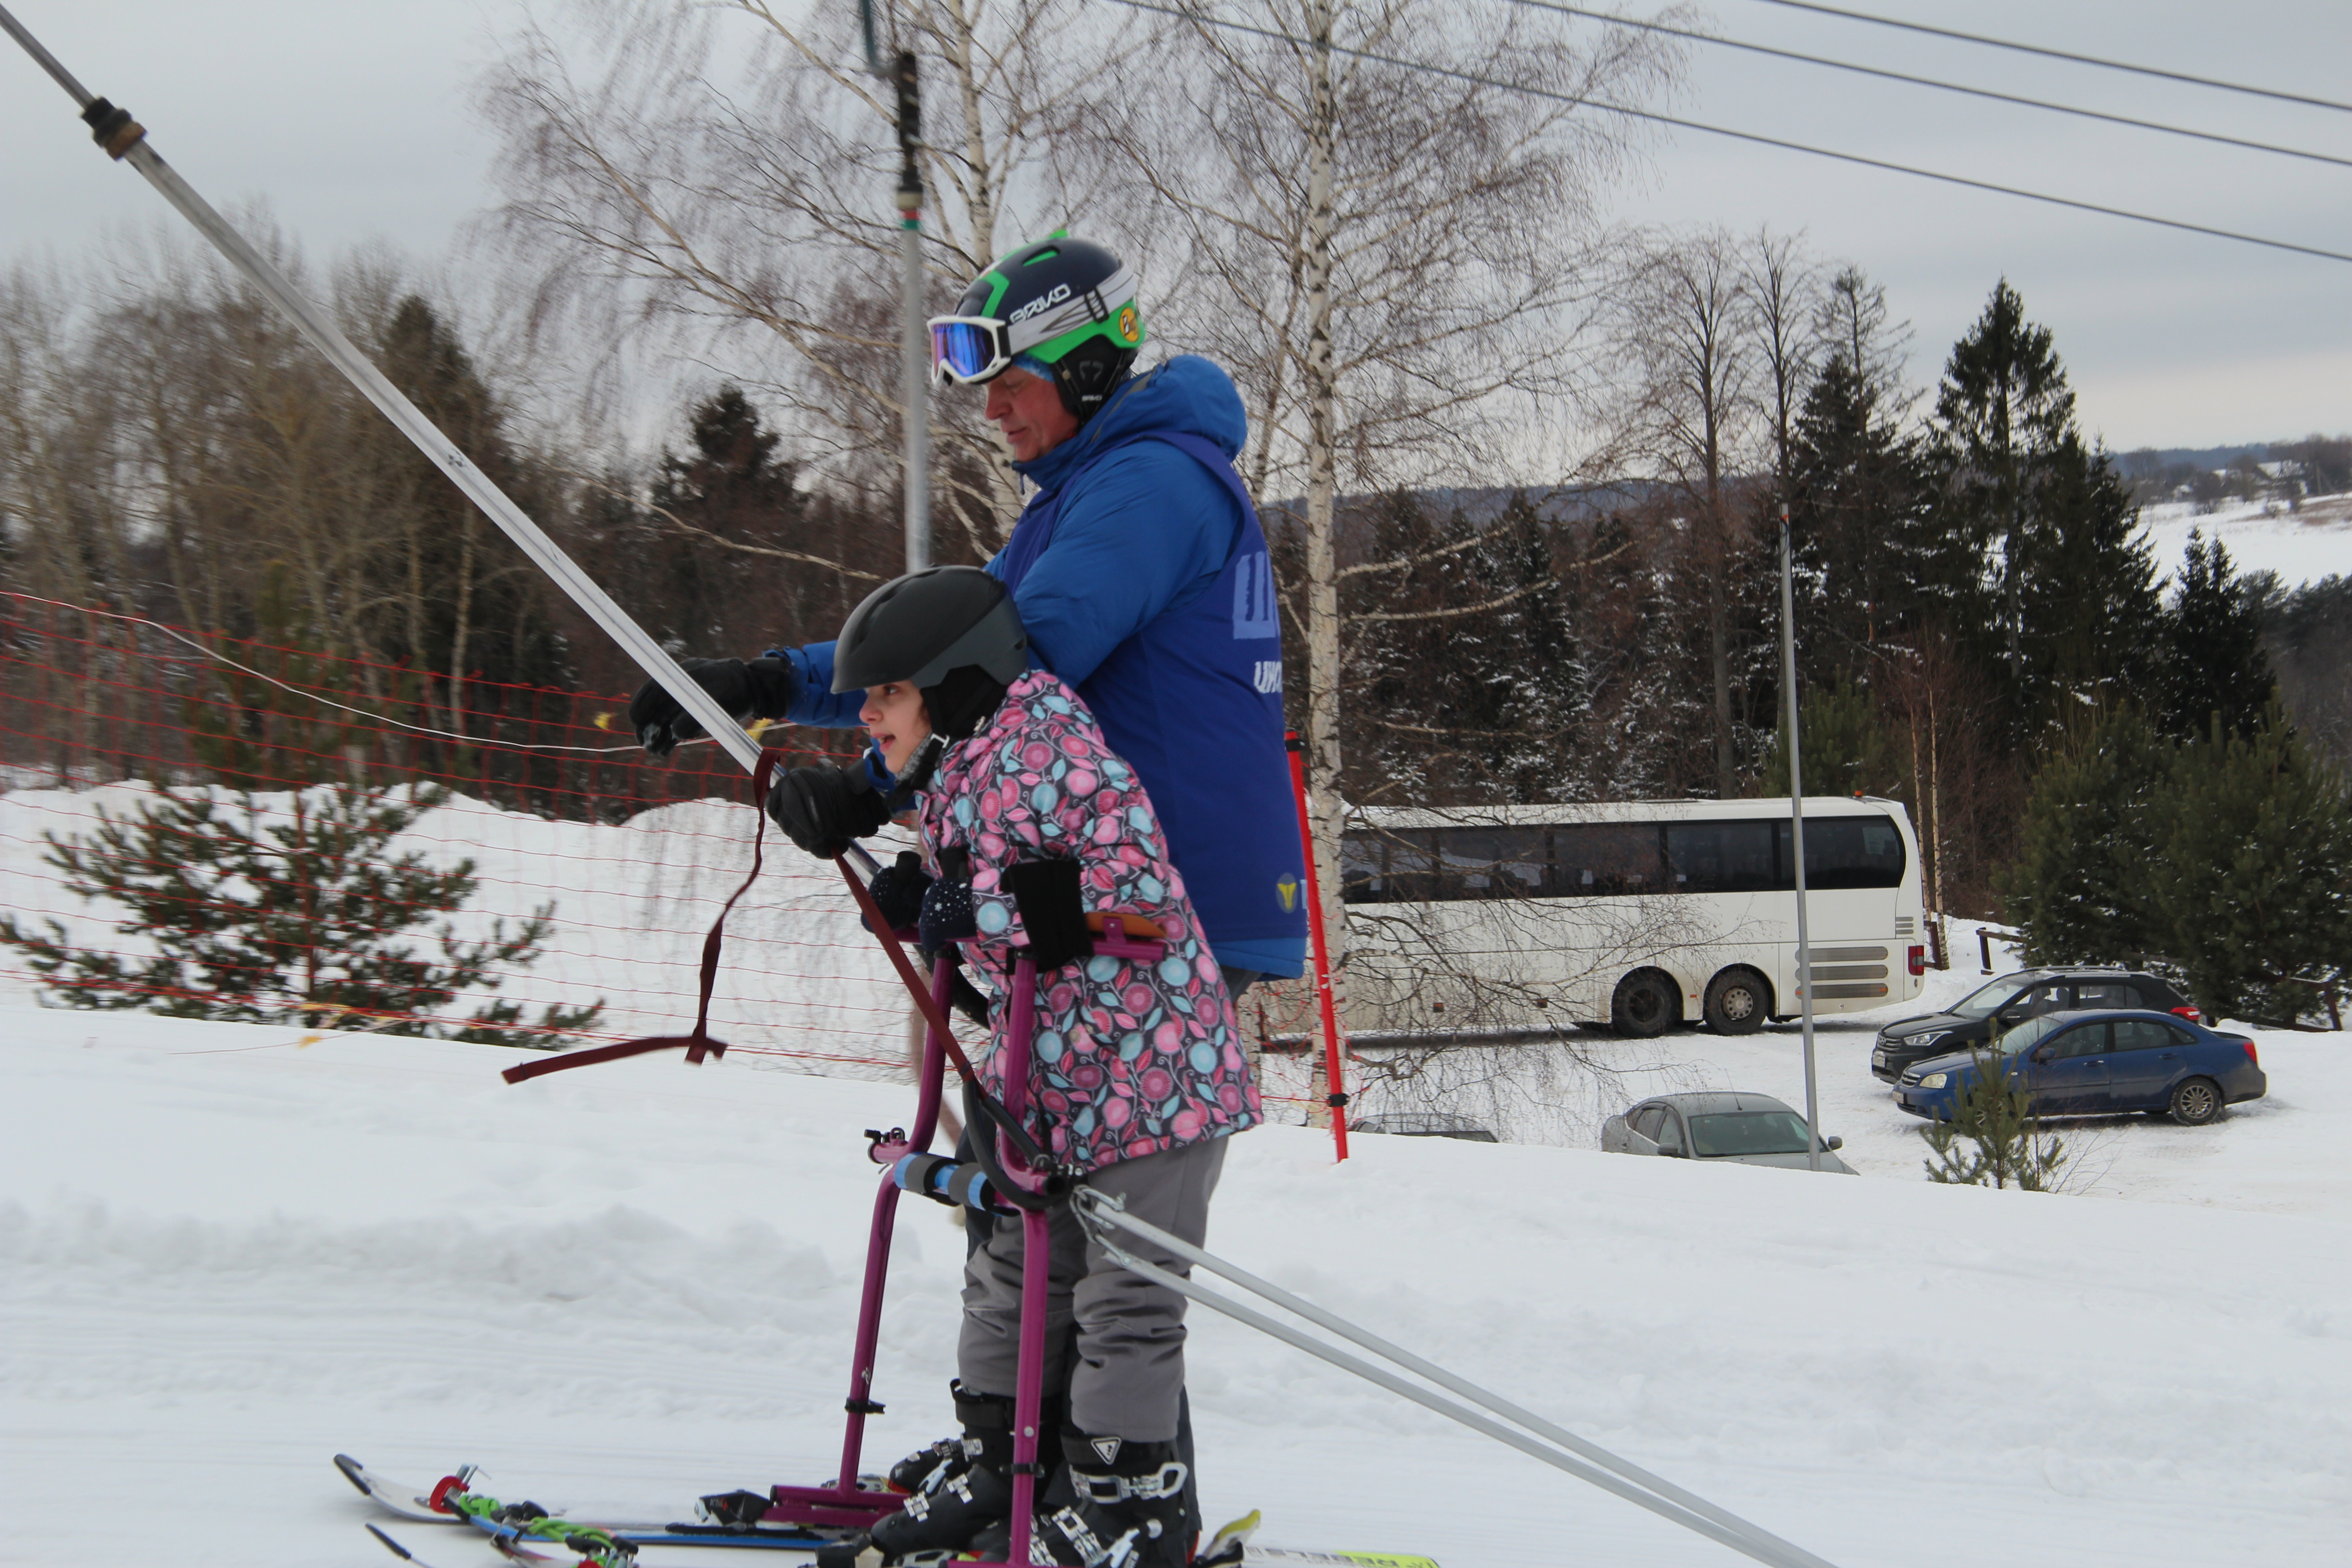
(1337, 1097)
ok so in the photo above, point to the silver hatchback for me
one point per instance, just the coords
(1736, 1128)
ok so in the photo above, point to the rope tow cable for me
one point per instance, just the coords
(1587, 1461)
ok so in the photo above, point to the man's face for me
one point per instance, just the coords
(1028, 412)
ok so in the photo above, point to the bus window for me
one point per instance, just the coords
(1721, 857)
(1599, 859)
(1492, 862)
(1845, 852)
(1381, 866)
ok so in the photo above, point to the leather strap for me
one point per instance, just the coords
(699, 1043)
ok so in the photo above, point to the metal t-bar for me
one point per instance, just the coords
(314, 324)
(1604, 1470)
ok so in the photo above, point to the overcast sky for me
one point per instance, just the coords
(351, 120)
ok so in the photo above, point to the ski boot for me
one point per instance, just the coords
(967, 1486)
(1117, 1504)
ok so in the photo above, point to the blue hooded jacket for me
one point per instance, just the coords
(1143, 580)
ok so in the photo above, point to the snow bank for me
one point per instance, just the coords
(226, 1256)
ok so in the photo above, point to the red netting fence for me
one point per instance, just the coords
(541, 790)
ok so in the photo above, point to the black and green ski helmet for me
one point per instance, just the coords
(1063, 306)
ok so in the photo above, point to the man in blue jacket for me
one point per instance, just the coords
(1142, 579)
(1141, 575)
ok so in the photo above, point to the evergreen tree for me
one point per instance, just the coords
(1856, 518)
(268, 903)
(458, 598)
(721, 511)
(2250, 886)
(1847, 750)
(2041, 519)
(2078, 886)
(2213, 667)
(291, 909)
(1993, 1139)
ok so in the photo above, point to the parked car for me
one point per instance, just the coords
(2005, 1003)
(1734, 1127)
(2098, 1063)
(1425, 1124)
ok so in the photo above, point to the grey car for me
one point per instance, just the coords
(1731, 1126)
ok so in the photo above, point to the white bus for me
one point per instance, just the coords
(1636, 915)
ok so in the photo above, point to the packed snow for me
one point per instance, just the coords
(230, 1253)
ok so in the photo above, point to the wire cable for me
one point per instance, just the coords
(1628, 22)
(1474, 79)
(2060, 55)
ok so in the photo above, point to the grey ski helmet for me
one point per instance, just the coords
(950, 632)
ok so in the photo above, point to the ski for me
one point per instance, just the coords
(511, 1525)
(523, 1532)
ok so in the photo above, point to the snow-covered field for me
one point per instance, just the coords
(2301, 546)
(228, 1255)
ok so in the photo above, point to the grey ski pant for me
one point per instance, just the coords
(1127, 1376)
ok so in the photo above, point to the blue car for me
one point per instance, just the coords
(2096, 1063)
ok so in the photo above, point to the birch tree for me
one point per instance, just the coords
(715, 179)
(1394, 263)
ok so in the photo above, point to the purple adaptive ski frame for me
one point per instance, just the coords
(847, 1504)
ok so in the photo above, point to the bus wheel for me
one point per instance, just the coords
(1647, 1004)
(1736, 1001)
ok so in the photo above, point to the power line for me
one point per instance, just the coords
(1604, 17)
(1475, 80)
(2060, 55)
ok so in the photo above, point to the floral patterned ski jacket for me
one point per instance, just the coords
(1130, 1058)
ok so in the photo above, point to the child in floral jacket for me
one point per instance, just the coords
(1137, 1075)
(1130, 1058)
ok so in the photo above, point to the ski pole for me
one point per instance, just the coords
(125, 141)
(1585, 1460)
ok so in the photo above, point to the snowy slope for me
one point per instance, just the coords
(2300, 546)
(226, 1256)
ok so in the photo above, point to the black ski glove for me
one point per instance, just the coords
(898, 891)
(760, 689)
(823, 809)
(946, 914)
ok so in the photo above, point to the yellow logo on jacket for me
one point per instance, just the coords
(1286, 889)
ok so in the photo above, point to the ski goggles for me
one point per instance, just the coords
(967, 349)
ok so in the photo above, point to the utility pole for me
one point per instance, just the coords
(1797, 841)
(914, 363)
(914, 356)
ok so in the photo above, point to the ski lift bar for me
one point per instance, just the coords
(125, 139)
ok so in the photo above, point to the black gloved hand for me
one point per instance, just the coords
(899, 890)
(760, 689)
(823, 809)
(946, 914)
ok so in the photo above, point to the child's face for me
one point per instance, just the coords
(894, 716)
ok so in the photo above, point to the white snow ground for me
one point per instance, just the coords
(2301, 546)
(228, 1256)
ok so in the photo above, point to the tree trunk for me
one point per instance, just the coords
(1326, 810)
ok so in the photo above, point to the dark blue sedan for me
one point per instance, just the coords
(2098, 1063)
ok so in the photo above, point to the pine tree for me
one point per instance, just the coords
(2213, 667)
(2068, 596)
(2251, 884)
(1856, 521)
(727, 499)
(1993, 1139)
(2078, 888)
(1847, 750)
(275, 896)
